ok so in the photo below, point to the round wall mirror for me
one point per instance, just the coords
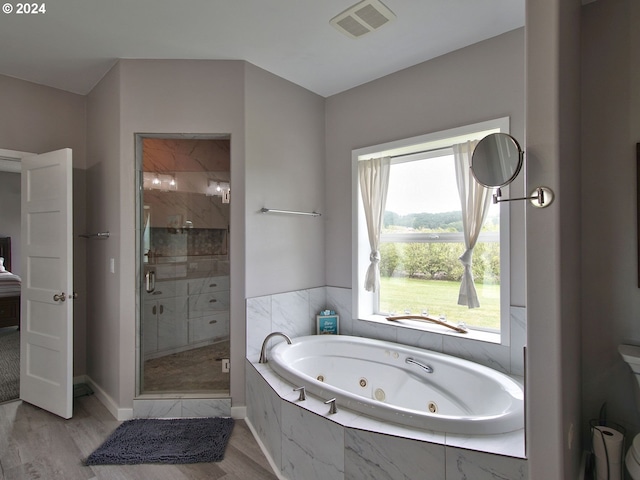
(496, 160)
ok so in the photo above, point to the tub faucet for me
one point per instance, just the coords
(426, 368)
(332, 406)
(303, 395)
(263, 352)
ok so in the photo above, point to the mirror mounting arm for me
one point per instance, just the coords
(541, 197)
(496, 161)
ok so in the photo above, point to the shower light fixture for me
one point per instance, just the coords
(218, 189)
(158, 181)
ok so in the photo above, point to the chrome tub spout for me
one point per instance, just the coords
(426, 368)
(263, 352)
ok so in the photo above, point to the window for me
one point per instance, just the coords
(422, 237)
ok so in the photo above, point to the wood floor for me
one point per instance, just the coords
(35, 444)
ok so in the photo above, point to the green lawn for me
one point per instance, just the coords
(440, 297)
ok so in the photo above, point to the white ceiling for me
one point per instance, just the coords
(76, 42)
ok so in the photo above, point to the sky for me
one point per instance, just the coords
(429, 182)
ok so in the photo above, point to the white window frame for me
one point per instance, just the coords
(365, 303)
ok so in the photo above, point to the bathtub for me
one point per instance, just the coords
(400, 384)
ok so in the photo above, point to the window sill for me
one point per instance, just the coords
(477, 335)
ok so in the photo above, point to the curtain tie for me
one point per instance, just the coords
(466, 257)
(374, 256)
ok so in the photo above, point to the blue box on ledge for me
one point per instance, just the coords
(327, 323)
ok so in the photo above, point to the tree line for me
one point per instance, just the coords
(437, 261)
(443, 221)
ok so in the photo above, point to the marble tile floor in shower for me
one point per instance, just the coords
(195, 370)
(35, 444)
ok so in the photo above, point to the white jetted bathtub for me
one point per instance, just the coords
(410, 386)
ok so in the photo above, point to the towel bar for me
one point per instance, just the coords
(289, 212)
(96, 235)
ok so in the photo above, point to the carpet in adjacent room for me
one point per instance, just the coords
(9, 364)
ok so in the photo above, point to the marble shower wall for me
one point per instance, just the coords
(174, 209)
(168, 155)
(167, 242)
(294, 313)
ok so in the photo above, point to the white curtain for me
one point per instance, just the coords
(475, 200)
(374, 182)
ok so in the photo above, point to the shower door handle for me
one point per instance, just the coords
(150, 281)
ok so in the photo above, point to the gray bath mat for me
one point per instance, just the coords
(175, 441)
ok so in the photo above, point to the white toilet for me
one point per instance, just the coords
(631, 355)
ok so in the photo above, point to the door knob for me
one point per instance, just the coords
(59, 297)
(74, 295)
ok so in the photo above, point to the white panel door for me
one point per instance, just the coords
(46, 332)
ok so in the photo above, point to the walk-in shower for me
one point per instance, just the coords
(184, 196)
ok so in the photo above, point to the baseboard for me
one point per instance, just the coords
(119, 414)
(239, 413)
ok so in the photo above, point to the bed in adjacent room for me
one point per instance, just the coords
(10, 286)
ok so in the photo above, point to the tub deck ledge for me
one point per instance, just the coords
(509, 444)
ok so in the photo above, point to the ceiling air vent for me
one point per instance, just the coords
(362, 18)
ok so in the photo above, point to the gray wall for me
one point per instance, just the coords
(187, 97)
(553, 239)
(39, 119)
(103, 206)
(283, 158)
(154, 97)
(432, 96)
(610, 130)
(284, 170)
(10, 215)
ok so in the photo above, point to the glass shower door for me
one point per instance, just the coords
(184, 204)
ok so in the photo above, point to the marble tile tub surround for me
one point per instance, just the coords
(183, 407)
(451, 456)
(303, 442)
(294, 313)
